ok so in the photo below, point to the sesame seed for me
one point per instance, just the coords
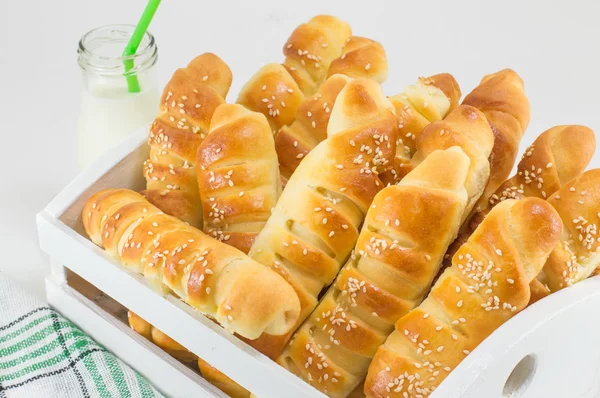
(510, 281)
(367, 66)
(499, 252)
(205, 78)
(440, 348)
(549, 165)
(459, 304)
(454, 337)
(572, 189)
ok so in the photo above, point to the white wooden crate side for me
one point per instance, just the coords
(165, 373)
(561, 330)
(231, 356)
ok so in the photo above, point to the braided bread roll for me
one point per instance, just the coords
(501, 98)
(273, 92)
(389, 273)
(216, 279)
(293, 142)
(487, 285)
(429, 100)
(315, 224)
(186, 107)
(466, 127)
(238, 175)
(577, 254)
(312, 47)
(361, 57)
(556, 156)
(173, 348)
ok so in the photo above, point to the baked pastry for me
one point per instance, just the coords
(273, 92)
(430, 99)
(294, 141)
(577, 254)
(154, 335)
(315, 223)
(312, 47)
(388, 274)
(466, 127)
(212, 277)
(239, 183)
(487, 285)
(501, 98)
(186, 107)
(556, 156)
(173, 348)
(361, 57)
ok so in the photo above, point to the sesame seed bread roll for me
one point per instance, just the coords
(273, 92)
(577, 254)
(293, 142)
(315, 223)
(361, 57)
(389, 273)
(429, 100)
(238, 175)
(501, 98)
(154, 335)
(312, 47)
(487, 285)
(216, 279)
(186, 108)
(558, 155)
(466, 127)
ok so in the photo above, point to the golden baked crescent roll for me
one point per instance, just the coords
(315, 223)
(501, 98)
(430, 99)
(238, 175)
(388, 274)
(487, 284)
(558, 155)
(212, 277)
(186, 107)
(577, 254)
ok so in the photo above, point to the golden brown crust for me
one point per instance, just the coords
(558, 155)
(429, 100)
(501, 98)
(577, 254)
(274, 93)
(315, 224)
(466, 127)
(312, 47)
(238, 176)
(487, 284)
(186, 107)
(538, 291)
(293, 142)
(390, 272)
(361, 57)
(154, 335)
(214, 278)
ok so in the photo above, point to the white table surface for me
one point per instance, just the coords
(554, 45)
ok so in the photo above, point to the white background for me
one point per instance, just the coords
(553, 45)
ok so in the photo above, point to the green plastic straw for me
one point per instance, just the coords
(133, 85)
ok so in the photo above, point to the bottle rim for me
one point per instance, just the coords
(113, 65)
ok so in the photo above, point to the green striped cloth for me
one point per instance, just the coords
(44, 355)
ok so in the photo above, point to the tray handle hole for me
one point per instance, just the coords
(521, 377)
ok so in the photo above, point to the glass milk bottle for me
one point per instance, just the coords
(109, 112)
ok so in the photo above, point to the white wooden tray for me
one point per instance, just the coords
(553, 346)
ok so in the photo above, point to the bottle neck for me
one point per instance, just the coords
(103, 65)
